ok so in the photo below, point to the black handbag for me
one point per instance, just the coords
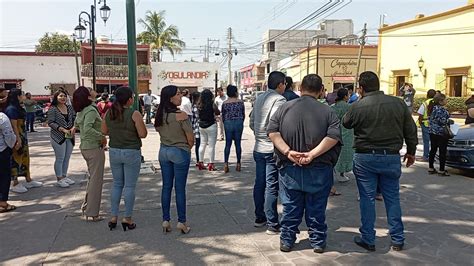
(448, 133)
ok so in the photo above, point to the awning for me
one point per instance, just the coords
(343, 79)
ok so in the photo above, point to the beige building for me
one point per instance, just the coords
(336, 64)
(433, 52)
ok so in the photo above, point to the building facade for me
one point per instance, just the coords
(112, 66)
(432, 52)
(252, 77)
(38, 73)
(335, 64)
(194, 76)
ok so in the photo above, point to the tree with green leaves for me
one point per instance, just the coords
(56, 43)
(159, 35)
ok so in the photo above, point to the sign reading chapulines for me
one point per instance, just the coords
(346, 67)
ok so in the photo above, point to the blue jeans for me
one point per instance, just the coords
(125, 166)
(384, 171)
(174, 164)
(30, 121)
(265, 190)
(233, 132)
(426, 141)
(305, 190)
(62, 154)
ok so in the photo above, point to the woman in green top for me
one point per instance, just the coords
(344, 163)
(92, 149)
(177, 139)
(125, 127)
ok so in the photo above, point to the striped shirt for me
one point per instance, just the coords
(56, 120)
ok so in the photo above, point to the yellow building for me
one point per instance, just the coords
(432, 52)
(335, 64)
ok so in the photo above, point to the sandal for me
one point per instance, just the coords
(432, 171)
(94, 218)
(444, 173)
(7, 208)
(334, 193)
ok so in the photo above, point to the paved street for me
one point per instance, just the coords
(48, 227)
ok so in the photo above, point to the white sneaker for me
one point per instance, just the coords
(19, 188)
(62, 183)
(69, 181)
(342, 178)
(32, 184)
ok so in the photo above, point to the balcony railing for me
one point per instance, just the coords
(115, 71)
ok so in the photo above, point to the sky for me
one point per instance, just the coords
(23, 22)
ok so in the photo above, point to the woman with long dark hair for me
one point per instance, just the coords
(125, 128)
(195, 98)
(177, 139)
(208, 128)
(439, 119)
(92, 145)
(20, 165)
(61, 117)
(233, 115)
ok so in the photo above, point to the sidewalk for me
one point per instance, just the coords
(48, 228)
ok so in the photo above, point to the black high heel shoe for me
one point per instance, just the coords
(126, 225)
(112, 225)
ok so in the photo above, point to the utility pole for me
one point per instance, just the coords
(317, 56)
(361, 47)
(307, 58)
(77, 61)
(229, 54)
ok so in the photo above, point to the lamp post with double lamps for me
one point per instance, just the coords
(80, 29)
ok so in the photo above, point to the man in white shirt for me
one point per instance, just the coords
(186, 104)
(220, 99)
(148, 101)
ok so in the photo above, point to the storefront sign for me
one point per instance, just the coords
(340, 67)
(184, 75)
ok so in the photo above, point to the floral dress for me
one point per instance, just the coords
(344, 163)
(21, 157)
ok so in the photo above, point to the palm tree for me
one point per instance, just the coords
(158, 35)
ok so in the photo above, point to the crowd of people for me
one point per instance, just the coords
(296, 161)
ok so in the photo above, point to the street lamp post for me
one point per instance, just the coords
(80, 29)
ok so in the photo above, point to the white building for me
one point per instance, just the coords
(38, 73)
(194, 76)
(280, 44)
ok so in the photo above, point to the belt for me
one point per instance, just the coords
(378, 151)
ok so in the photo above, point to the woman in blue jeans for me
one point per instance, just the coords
(125, 128)
(177, 139)
(233, 115)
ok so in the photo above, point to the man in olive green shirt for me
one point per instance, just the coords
(30, 112)
(381, 123)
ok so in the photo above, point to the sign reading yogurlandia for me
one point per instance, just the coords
(184, 75)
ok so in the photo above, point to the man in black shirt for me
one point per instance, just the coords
(307, 139)
(381, 123)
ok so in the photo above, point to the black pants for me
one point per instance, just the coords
(5, 173)
(441, 143)
(196, 146)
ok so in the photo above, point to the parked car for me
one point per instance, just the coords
(254, 96)
(245, 96)
(461, 149)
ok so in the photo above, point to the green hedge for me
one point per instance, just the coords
(455, 104)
